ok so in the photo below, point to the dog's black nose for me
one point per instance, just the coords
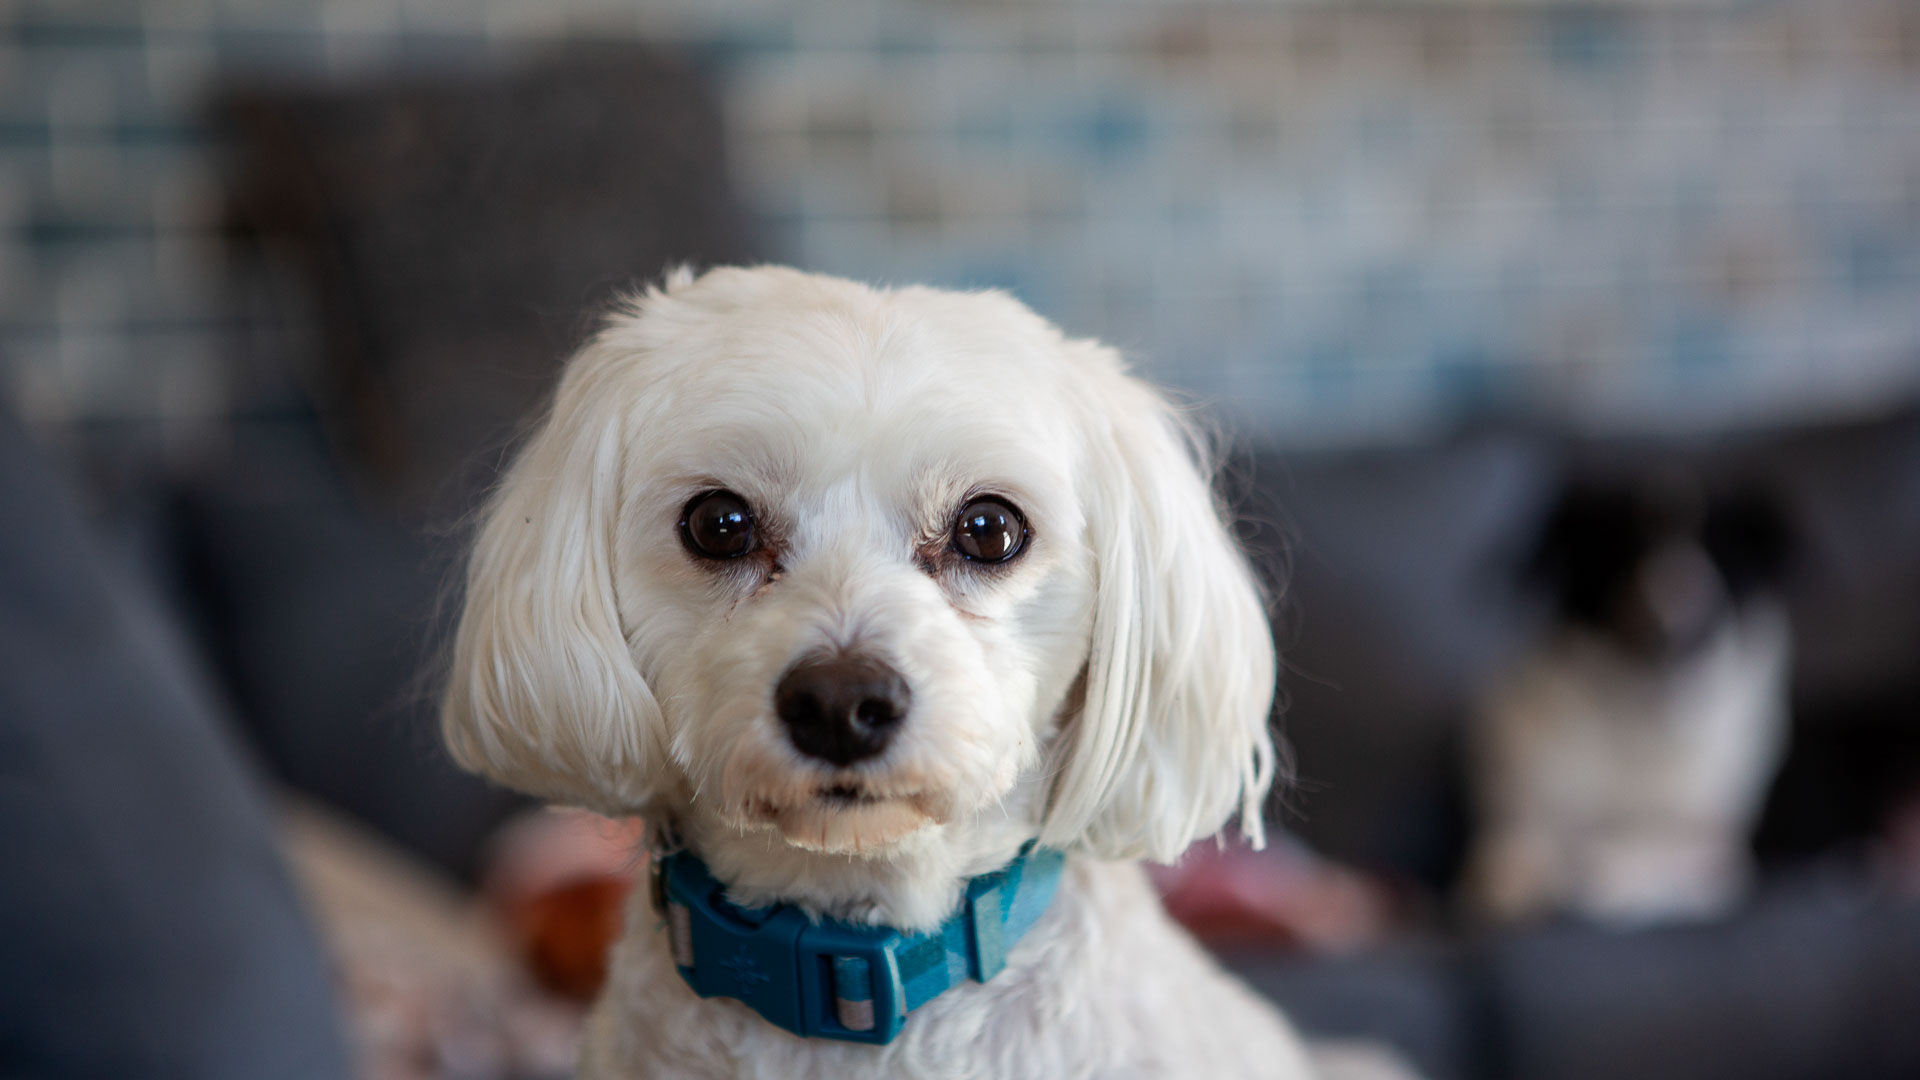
(841, 707)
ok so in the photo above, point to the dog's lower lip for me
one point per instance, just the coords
(846, 793)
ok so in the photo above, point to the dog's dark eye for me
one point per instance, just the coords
(717, 525)
(989, 531)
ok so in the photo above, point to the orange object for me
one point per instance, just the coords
(559, 882)
(566, 932)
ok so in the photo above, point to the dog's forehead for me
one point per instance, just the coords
(881, 347)
(821, 383)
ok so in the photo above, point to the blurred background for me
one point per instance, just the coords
(279, 281)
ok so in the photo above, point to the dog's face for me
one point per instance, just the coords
(858, 581)
(851, 572)
(1656, 565)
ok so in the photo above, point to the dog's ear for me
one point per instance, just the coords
(543, 694)
(1172, 737)
(1753, 537)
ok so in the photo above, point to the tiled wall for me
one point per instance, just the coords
(1336, 222)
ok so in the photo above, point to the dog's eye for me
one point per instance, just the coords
(717, 525)
(989, 531)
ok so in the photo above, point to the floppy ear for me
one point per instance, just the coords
(1752, 535)
(543, 693)
(1172, 738)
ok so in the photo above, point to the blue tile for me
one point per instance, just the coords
(1700, 345)
(1115, 128)
(1466, 378)
(901, 35)
(1392, 290)
(986, 125)
(73, 30)
(1592, 39)
(1875, 261)
(757, 39)
(1327, 371)
(1387, 129)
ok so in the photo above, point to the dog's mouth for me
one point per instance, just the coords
(848, 795)
(851, 818)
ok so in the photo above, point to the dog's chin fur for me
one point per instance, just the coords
(1106, 692)
(869, 829)
(858, 814)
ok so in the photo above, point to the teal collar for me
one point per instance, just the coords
(833, 980)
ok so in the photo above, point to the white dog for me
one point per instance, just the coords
(863, 591)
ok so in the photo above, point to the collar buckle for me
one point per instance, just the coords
(850, 982)
(813, 979)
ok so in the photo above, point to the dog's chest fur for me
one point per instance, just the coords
(1103, 986)
(1626, 794)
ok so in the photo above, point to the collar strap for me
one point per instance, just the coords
(833, 980)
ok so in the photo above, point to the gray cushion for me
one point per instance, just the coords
(147, 926)
(1821, 978)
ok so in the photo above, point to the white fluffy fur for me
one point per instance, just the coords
(1108, 692)
(1622, 791)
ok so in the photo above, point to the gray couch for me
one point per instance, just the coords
(147, 926)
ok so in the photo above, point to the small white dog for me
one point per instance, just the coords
(864, 592)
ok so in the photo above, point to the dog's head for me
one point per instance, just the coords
(1656, 564)
(850, 571)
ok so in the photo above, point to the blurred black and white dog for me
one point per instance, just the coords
(1620, 764)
